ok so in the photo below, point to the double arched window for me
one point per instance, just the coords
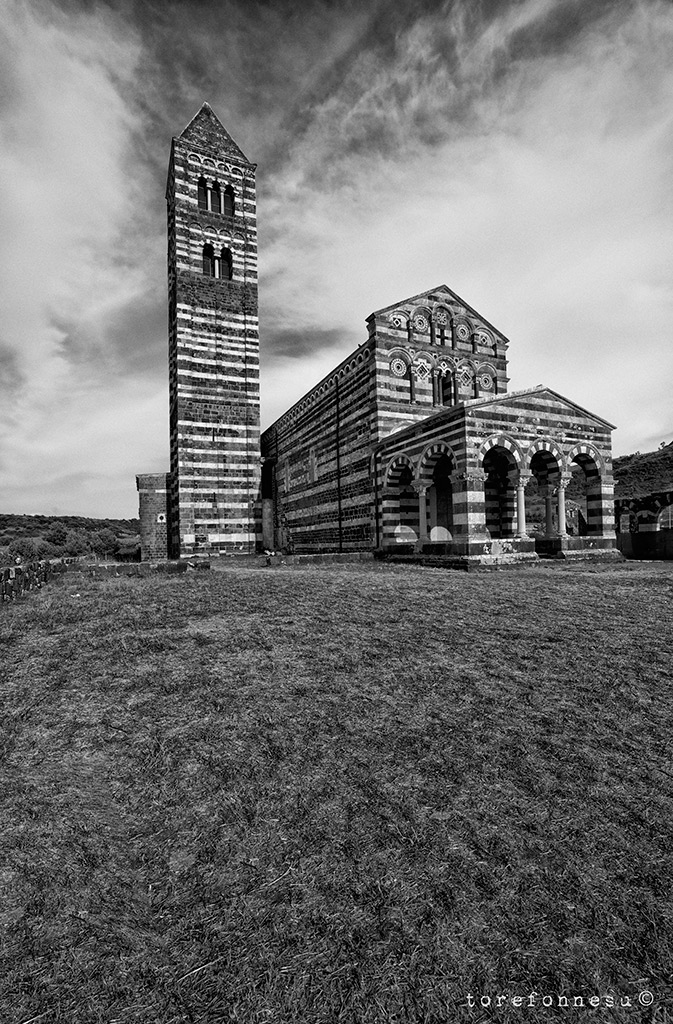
(219, 264)
(212, 198)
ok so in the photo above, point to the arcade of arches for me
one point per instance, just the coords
(498, 496)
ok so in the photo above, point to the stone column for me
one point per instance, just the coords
(549, 512)
(561, 495)
(422, 513)
(521, 482)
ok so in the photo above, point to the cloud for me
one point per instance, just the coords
(72, 211)
(543, 195)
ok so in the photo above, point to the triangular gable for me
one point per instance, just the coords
(206, 131)
(541, 390)
(442, 293)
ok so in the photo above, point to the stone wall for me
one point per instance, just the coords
(153, 490)
(319, 452)
(17, 580)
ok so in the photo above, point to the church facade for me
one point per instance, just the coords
(413, 447)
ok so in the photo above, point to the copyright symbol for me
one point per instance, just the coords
(645, 998)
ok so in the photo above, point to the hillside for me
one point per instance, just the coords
(16, 527)
(636, 476)
(644, 473)
(54, 536)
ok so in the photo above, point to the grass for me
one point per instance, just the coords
(337, 794)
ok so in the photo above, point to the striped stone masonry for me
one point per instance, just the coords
(213, 344)
(153, 491)
(413, 443)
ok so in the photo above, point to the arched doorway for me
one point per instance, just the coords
(501, 473)
(439, 497)
(400, 504)
(542, 492)
(587, 489)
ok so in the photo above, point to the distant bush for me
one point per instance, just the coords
(26, 548)
(57, 535)
(77, 543)
(104, 542)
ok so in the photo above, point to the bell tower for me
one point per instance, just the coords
(213, 343)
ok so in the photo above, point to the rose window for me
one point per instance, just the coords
(420, 322)
(398, 367)
(486, 381)
(441, 317)
(462, 332)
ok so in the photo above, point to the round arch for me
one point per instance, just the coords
(395, 466)
(445, 364)
(665, 518)
(502, 441)
(501, 463)
(429, 456)
(545, 444)
(434, 481)
(400, 511)
(588, 450)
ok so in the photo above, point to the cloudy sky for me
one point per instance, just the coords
(519, 151)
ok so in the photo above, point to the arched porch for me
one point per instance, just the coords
(401, 520)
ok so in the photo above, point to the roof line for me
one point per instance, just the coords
(445, 287)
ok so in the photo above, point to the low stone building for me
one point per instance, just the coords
(645, 526)
(411, 447)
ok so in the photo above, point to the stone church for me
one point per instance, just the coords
(412, 447)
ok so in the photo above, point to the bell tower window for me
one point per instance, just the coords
(209, 260)
(212, 198)
(220, 265)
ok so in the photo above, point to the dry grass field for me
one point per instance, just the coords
(363, 794)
